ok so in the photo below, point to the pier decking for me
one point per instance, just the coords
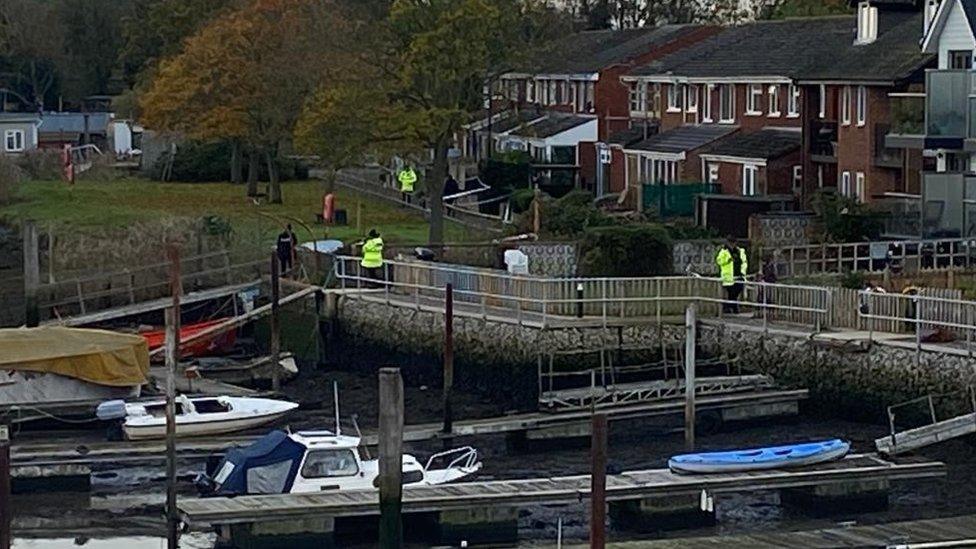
(548, 491)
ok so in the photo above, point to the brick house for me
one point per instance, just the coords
(815, 89)
(579, 75)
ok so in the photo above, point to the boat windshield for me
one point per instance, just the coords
(211, 406)
(330, 463)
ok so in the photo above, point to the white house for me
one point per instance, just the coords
(19, 132)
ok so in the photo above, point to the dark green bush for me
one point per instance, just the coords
(853, 280)
(626, 250)
(521, 200)
(572, 215)
(199, 162)
(506, 172)
(844, 220)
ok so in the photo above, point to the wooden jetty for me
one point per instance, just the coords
(942, 532)
(472, 505)
(78, 456)
(926, 435)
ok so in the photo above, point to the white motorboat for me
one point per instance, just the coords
(316, 461)
(195, 416)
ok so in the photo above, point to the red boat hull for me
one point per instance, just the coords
(208, 346)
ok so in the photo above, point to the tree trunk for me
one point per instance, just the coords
(435, 191)
(253, 165)
(274, 184)
(236, 163)
(329, 183)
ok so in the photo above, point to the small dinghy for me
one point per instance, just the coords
(774, 457)
(196, 416)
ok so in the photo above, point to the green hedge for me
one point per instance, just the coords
(626, 250)
(199, 162)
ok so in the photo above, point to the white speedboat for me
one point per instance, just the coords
(316, 461)
(195, 416)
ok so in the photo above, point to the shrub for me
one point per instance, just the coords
(844, 220)
(41, 164)
(853, 280)
(506, 172)
(199, 162)
(571, 215)
(11, 176)
(626, 250)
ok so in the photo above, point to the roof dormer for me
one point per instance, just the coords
(867, 23)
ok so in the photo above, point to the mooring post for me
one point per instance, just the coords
(598, 479)
(391, 457)
(448, 356)
(275, 322)
(172, 356)
(691, 317)
(32, 274)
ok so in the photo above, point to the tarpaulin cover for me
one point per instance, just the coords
(273, 455)
(95, 356)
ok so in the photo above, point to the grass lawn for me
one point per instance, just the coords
(108, 205)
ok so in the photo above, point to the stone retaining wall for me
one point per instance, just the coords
(501, 359)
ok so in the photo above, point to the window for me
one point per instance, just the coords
(330, 463)
(726, 103)
(845, 106)
(590, 91)
(674, 97)
(753, 99)
(707, 102)
(867, 23)
(13, 140)
(749, 176)
(960, 59)
(862, 105)
(797, 177)
(552, 99)
(793, 101)
(859, 190)
(564, 88)
(774, 100)
(845, 184)
(713, 172)
(691, 98)
(823, 101)
(530, 91)
(637, 97)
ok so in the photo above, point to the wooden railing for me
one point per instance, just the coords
(910, 256)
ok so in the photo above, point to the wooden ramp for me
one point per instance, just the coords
(601, 396)
(926, 435)
(199, 513)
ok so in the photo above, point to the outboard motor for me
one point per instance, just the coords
(112, 411)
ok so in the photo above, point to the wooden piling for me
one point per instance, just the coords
(5, 507)
(172, 358)
(275, 322)
(448, 356)
(390, 458)
(691, 318)
(32, 275)
(598, 482)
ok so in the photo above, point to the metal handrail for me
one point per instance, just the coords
(467, 457)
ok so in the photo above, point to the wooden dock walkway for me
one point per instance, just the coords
(200, 513)
(959, 530)
(926, 435)
(46, 459)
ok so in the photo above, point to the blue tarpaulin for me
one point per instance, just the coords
(268, 466)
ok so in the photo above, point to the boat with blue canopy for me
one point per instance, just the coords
(773, 457)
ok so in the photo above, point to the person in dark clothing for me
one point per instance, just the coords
(450, 187)
(767, 275)
(285, 248)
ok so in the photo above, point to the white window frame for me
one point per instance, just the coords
(713, 172)
(707, 102)
(860, 187)
(750, 177)
(590, 97)
(19, 141)
(845, 106)
(674, 98)
(722, 118)
(691, 98)
(793, 101)
(530, 91)
(867, 23)
(753, 100)
(845, 184)
(862, 106)
(638, 97)
(551, 84)
(823, 101)
(774, 110)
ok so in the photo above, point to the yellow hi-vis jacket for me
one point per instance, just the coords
(372, 253)
(407, 178)
(726, 265)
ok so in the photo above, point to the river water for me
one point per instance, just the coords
(123, 510)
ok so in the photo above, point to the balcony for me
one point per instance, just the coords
(948, 201)
(907, 113)
(949, 113)
(823, 142)
(884, 156)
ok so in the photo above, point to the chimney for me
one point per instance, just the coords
(931, 7)
(867, 23)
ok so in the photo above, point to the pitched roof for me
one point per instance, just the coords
(803, 49)
(591, 51)
(19, 117)
(768, 143)
(683, 138)
(552, 124)
(633, 134)
(513, 120)
(74, 122)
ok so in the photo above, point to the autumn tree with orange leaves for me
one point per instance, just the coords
(245, 77)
